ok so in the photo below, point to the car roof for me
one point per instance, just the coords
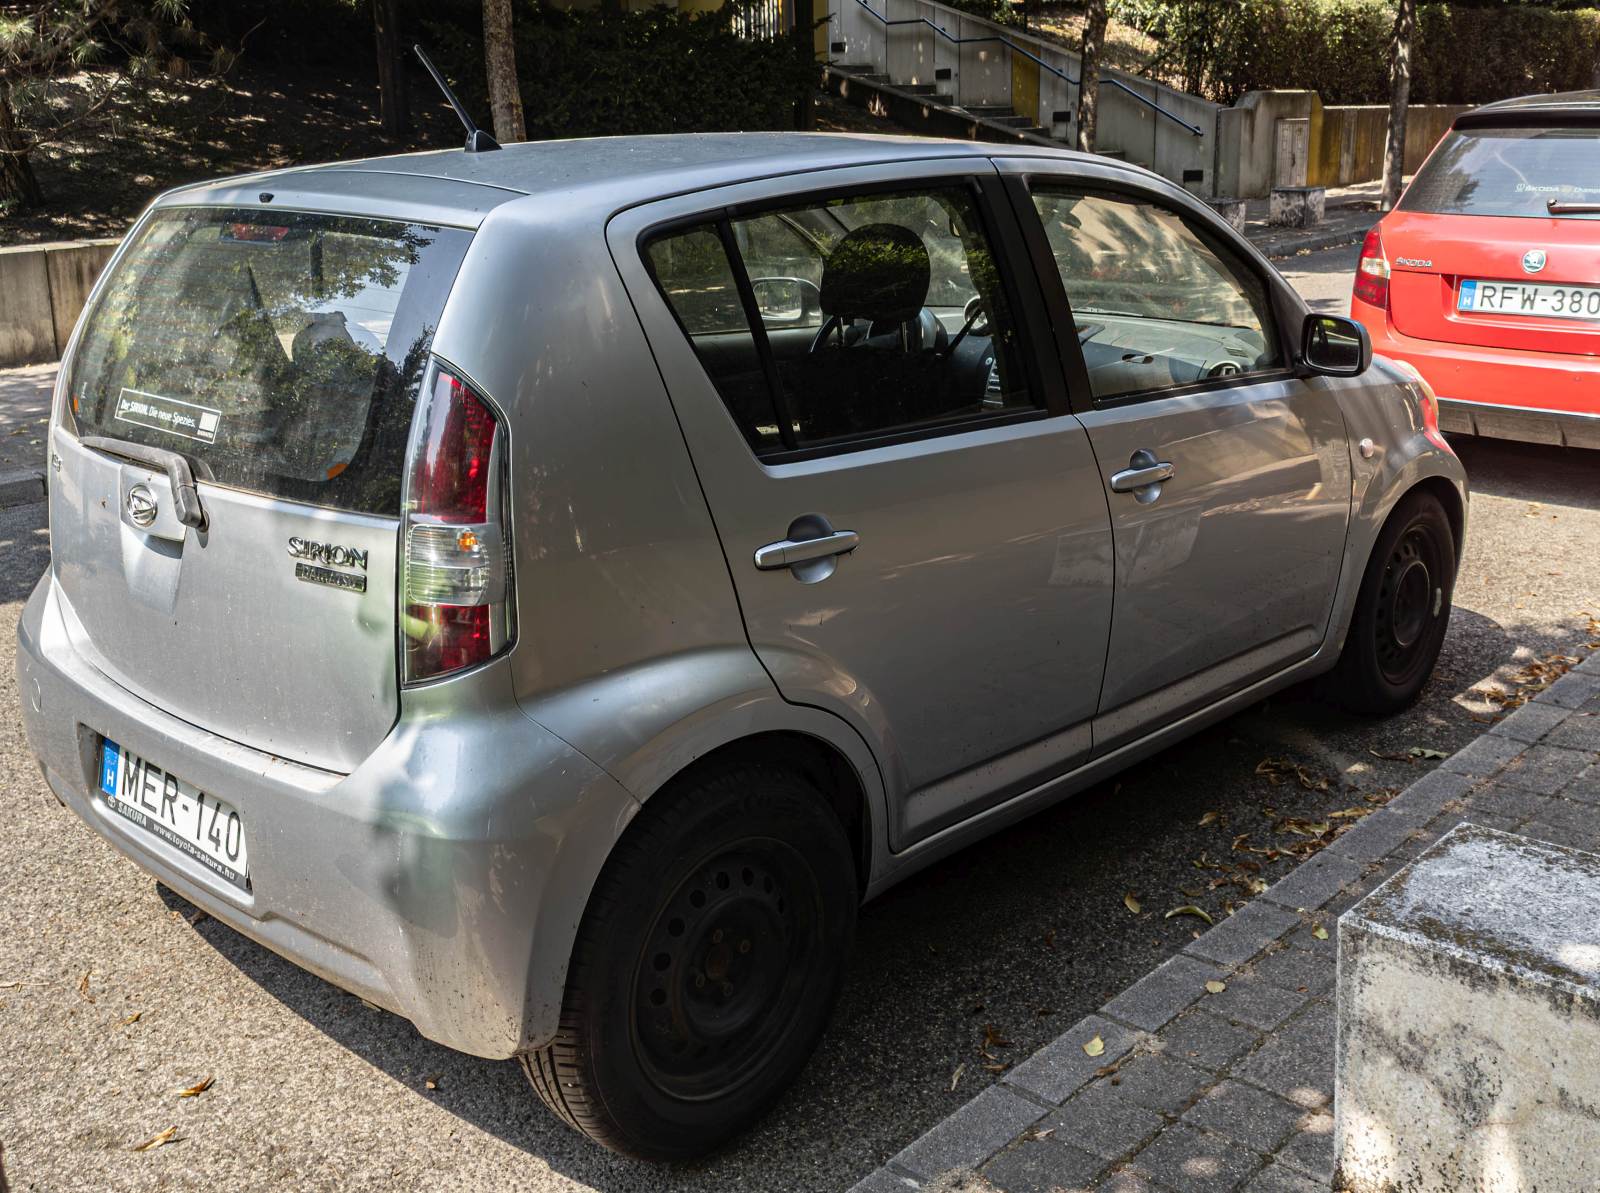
(1524, 111)
(608, 172)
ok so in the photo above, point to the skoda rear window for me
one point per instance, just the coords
(1509, 171)
(280, 352)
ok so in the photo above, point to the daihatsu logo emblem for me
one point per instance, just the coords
(141, 506)
(1533, 260)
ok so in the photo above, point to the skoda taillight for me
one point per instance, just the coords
(1372, 272)
(456, 607)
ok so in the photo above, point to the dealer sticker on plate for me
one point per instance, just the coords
(198, 825)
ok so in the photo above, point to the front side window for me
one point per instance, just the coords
(866, 315)
(279, 351)
(1156, 305)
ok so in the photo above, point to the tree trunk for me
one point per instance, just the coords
(1394, 158)
(394, 107)
(18, 186)
(1094, 39)
(500, 60)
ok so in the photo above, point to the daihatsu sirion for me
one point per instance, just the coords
(544, 591)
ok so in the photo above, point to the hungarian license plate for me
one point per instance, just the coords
(1529, 298)
(196, 824)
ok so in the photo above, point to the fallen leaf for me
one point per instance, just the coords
(1320, 932)
(1209, 818)
(1216, 987)
(1050, 939)
(431, 1081)
(1095, 1047)
(1190, 909)
(83, 985)
(198, 1088)
(131, 1019)
(1425, 752)
(1131, 902)
(992, 1038)
(371, 1006)
(955, 1078)
(998, 1066)
(156, 1140)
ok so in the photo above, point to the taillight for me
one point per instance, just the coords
(456, 606)
(1372, 272)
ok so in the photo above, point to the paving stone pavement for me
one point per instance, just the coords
(1191, 1091)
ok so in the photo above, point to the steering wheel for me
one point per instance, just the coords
(923, 332)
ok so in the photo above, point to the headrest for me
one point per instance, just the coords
(878, 272)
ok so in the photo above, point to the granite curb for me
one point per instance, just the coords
(1191, 1090)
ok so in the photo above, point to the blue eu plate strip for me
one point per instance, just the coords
(1469, 296)
(108, 768)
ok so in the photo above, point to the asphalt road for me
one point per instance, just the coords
(111, 999)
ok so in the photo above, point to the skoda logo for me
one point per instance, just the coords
(1533, 260)
(141, 506)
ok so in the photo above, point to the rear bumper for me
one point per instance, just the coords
(1502, 393)
(442, 879)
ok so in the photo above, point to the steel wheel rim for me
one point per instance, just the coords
(1410, 599)
(723, 972)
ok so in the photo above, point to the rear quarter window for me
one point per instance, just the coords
(1508, 172)
(280, 352)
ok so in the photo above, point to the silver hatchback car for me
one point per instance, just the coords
(545, 591)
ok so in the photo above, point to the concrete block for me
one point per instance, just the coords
(72, 269)
(1232, 211)
(1296, 206)
(1469, 1022)
(972, 1134)
(27, 326)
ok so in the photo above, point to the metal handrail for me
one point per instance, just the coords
(1194, 129)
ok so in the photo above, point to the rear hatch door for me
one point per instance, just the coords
(279, 354)
(1477, 257)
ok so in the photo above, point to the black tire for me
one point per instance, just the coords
(705, 966)
(1402, 610)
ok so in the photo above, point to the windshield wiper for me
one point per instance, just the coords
(1557, 207)
(179, 474)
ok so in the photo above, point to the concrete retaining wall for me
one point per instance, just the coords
(42, 289)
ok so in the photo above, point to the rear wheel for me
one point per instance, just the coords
(1402, 611)
(705, 966)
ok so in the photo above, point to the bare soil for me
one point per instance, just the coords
(152, 137)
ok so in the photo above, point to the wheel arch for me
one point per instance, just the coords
(822, 763)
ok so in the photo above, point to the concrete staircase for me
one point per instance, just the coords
(992, 113)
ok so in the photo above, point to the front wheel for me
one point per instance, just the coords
(1402, 610)
(705, 966)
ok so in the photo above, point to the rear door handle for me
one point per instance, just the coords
(788, 552)
(1143, 471)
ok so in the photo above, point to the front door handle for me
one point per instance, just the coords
(1143, 476)
(788, 552)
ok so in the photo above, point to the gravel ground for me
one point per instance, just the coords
(112, 997)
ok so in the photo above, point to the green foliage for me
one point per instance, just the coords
(652, 71)
(1340, 48)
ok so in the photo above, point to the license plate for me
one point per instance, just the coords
(1529, 298)
(186, 818)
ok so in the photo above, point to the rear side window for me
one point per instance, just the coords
(1509, 171)
(845, 319)
(280, 352)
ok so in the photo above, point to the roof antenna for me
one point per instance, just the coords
(477, 139)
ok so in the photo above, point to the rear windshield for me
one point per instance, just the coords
(280, 352)
(1509, 171)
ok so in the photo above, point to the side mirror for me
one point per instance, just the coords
(1335, 346)
(786, 302)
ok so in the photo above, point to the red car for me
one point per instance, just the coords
(1486, 277)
